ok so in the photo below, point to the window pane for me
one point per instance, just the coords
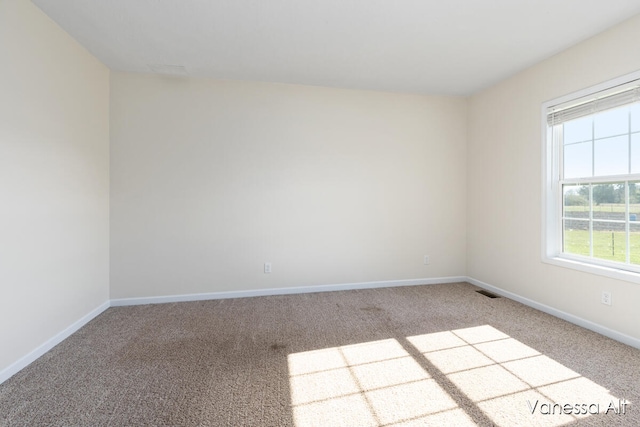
(634, 201)
(611, 122)
(634, 242)
(576, 201)
(576, 237)
(578, 130)
(609, 241)
(635, 117)
(608, 201)
(612, 156)
(635, 153)
(577, 160)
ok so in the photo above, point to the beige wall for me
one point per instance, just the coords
(504, 182)
(210, 179)
(54, 187)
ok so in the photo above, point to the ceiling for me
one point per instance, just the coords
(452, 47)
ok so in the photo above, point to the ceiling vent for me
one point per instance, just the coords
(170, 70)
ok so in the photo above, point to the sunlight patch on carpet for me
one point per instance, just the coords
(369, 384)
(511, 382)
(380, 383)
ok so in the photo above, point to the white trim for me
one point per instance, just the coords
(25, 361)
(284, 291)
(587, 324)
(613, 271)
(603, 179)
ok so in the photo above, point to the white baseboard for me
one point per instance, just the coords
(23, 362)
(587, 324)
(284, 291)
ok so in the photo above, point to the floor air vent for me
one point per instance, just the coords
(488, 294)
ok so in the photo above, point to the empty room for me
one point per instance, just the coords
(319, 213)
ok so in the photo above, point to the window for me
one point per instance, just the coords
(592, 179)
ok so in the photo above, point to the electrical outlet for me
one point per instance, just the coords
(426, 260)
(606, 297)
(267, 267)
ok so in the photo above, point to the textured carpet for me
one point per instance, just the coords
(421, 355)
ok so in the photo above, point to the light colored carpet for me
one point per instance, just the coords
(424, 355)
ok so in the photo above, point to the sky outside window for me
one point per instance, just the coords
(600, 145)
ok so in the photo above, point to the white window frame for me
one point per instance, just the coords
(552, 199)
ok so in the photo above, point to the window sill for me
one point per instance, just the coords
(612, 272)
